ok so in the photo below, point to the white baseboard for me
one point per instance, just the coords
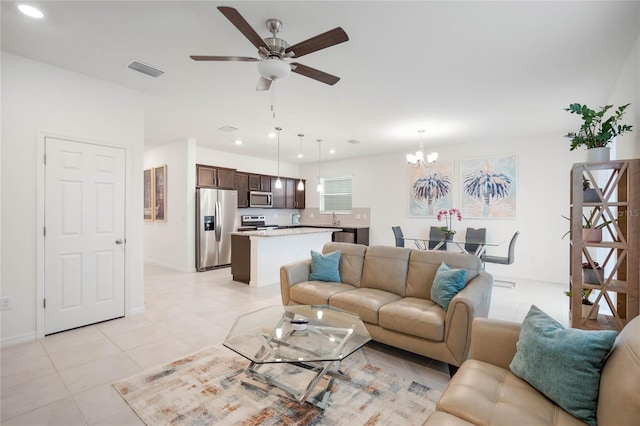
(16, 340)
(136, 311)
(170, 266)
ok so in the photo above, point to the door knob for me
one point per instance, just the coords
(118, 241)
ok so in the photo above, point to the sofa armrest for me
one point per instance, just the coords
(494, 341)
(292, 274)
(472, 302)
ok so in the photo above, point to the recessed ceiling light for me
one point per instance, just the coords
(228, 129)
(271, 135)
(332, 151)
(238, 142)
(30, 11)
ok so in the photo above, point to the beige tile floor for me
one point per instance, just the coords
(65, 379)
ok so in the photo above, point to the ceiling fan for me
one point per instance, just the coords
(273, 51)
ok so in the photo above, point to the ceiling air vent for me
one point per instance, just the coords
(145, 69)
(353, 141)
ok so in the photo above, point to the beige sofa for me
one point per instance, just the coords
(485, 392)
(390, 288)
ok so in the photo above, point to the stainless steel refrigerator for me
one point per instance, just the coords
(216, 216)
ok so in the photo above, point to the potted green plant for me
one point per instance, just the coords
(586, 304)
(597, 131)
(590, 233)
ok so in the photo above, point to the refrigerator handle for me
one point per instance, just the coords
(218, 220)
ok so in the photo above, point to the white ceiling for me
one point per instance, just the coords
(464, 71)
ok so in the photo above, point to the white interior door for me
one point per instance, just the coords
(84, 234)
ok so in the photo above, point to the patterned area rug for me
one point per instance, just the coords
(204, 389)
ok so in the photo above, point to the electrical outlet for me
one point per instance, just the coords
(357, 216)
(311, 215)
(5, 303)
(364, 216)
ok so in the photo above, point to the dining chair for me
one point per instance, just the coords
(504, 260)
(397, 233)
(436, 235)
(474, 238)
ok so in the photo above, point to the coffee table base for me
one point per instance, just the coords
(323, 369)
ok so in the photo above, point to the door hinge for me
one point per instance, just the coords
(44, 159)
(44, 303)
(44, 231)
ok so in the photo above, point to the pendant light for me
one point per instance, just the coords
(418, 159)
(278, 181)
(319, 188)
(300, 155)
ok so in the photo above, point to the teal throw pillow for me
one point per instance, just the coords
(564, 364)
(324, 267)
(447, 283)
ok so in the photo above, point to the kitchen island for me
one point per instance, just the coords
(256, 256)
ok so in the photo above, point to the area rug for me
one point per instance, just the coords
(205, 388)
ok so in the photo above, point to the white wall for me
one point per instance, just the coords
(39, 99)
(382, 183)
(171, 243)
(627, 90)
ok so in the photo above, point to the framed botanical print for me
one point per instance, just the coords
(430, 189)
(148, 195)
(488, 187)
(160, 193)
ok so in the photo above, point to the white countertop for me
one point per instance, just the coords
(285, 232)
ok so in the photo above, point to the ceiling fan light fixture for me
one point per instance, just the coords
(274, 68)
(31, 11)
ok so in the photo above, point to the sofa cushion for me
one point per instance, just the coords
(324, 267)
(439, 418)
(564, 364)
(620, 378)
(446, 284)
(423, 265)
(365, 302)
(316, 292)
(414, 316)
(351, 260)
(385, 268)
(484, 394)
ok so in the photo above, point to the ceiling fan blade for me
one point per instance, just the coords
(241, 24)
(314, 74)
(223, 58)
(263, 84)
(319, 42)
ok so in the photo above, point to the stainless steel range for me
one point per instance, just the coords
(254, 223)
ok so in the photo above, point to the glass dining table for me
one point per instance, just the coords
(459, 244)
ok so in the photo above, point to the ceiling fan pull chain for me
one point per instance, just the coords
(273, 98)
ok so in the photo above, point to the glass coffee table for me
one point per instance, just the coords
(315, 338)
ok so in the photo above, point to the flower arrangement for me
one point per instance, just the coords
(448, 216)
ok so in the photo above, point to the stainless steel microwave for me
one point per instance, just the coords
(260, 199)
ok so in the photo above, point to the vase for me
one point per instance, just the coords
(591, 235)
(449, 236)
(591, 196)
(598, 155)
(590, 275)
(587, 308)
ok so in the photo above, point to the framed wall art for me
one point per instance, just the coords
(488, 187)
(430, 189)
(160, 193)
(148, 195)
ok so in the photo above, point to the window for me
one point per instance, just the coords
(335, 195)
